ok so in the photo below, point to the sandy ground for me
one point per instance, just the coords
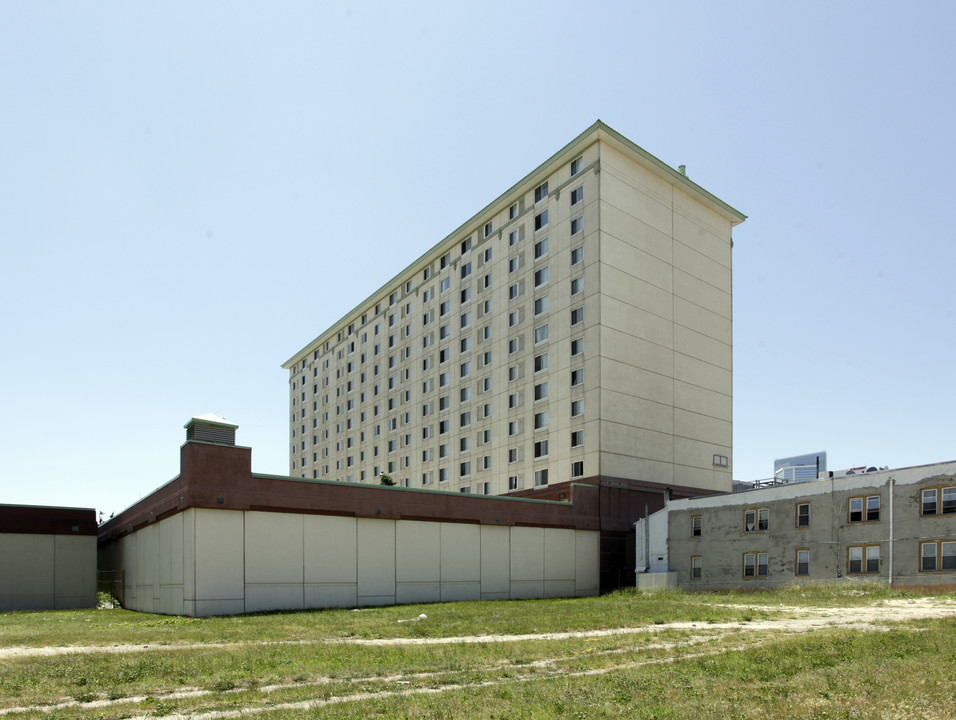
(878, 616)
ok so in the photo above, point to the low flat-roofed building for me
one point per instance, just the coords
(891, 525)
(47, 558)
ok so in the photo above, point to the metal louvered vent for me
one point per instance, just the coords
(210, 428)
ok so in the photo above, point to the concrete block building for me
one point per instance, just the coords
(47, 558)
(577, 328)
(896, 526)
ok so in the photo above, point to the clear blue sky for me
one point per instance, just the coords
(192, 191)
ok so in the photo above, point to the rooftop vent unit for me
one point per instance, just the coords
(212, 429)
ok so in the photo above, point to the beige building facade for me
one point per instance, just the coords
(896, 526)
(579, 326)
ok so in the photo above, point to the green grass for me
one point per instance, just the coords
(284, 665)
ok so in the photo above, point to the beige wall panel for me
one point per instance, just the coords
(697, 372)
(629, 466)
(417, 592)
(205, 608)
(274, 548)
(637, 322)
(627, 288)
(189, 561)
(702, 427)
(559, 555)
(617, 438)
(460, 547)
(701, 400)
(26, 571)
(526, 589)
(323, 595)
(708, 479)
(623, 409)
(376, 561)
(702, 267)
(495, 560)
(703, 294)
(460, 591)
(699, 454)
(74, 571)
(587, 562)
(219, 561)
(176, 567)
(643, 252)
(626, 185)
(652, 381)
(127, 562)
(527, 554)
(165, 569)
(559, 588)
(634, 174)
(702, 320)
(418, 553)
(147, 568)
(700, 346)
(286, 596)
(689, 210)
(171, 600)
(330, 550)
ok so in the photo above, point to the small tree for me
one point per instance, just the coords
(386, 480)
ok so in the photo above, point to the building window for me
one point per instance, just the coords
(444, 285)
(513, 237)
(513, 211)
(466, 270)
(577, 346)
(541, 247)
(514, 400)
(541, 276)
(930, 501)
(755, 565)
(576, 166)
(541, 362)
(442, 475)
(803, 562)
(577, 469)
(541, 420)
(872, 512)
(541, 449)
(757, 520)
(541, 305)
(513, 427)
(577, 408)
(577, 225)
(488, 229)
(513, 455)
(540, 220)
(863, 559)
(803, 515)
(541, 333)
(541, 192)
(695, 567)
(937, 556)
(513, 482)
(540, 477)
(464, 444)
(721, 461)
(465, 246)
(577, 195)
(577, 438)
(465, 295)
(695, 521)
(577, 255)
(577, 285)
(577, 316)
(514, 317)
(577, 377)
(541, 391)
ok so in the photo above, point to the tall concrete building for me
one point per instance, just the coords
(578, 327)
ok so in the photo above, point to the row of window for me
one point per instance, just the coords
(934, 501)
(935, 556)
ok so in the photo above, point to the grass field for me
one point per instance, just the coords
(822, 652)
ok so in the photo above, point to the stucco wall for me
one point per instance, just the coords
(205, 562)
(46, 571)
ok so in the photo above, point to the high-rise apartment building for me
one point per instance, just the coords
(579, 326)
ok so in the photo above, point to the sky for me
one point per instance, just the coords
(191, 192)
